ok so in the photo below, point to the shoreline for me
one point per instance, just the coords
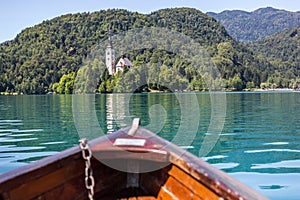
(158, 91)
(276, 89)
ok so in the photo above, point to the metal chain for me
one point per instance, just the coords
(89, 179)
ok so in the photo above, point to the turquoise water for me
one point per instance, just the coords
(259, 143)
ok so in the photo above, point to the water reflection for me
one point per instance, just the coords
(117, 111)
(110, 116)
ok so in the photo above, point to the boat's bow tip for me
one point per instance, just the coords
(135, 126)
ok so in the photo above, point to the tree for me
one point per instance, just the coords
(65, 85)
(236, 83)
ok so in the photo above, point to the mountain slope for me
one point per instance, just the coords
(39, 56)
(281, 49)
(250, 26)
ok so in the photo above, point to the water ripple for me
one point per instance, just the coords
(187, 147)
(51, 143)
(26, 131)
(272, 150)
(10, 121)
(276, 165)
(226, 165)
(4, 140)
(276, 143)
(213, 157)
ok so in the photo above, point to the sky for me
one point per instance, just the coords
(16, 15)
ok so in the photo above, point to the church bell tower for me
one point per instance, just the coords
(110, 56)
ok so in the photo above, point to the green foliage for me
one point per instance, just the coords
(251, 26)
(236, 83)
(65, 85)
(198, 84)
(50, 56)
(88, 77)
(282, 50)
(193, 23)
(143, 78)
(39, 56)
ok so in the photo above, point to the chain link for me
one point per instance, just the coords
(89, 179)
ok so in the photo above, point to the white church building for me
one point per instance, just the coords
(123, 62)
(110, 60)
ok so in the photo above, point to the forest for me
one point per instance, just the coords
(258, 24)
(52, 56)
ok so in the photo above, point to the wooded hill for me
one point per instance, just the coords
(281, 50)
(47, 57)
(251, 26)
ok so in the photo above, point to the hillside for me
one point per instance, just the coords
(251, 26)
(40, 55)
(281, 49)
(50, 53)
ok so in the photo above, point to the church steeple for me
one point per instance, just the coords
(110, 56)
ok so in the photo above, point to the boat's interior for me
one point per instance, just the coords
(167, 183)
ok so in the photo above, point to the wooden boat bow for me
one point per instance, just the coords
(131, 163)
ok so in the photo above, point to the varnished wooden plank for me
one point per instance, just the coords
(35, 170)
(41, 185)
(73, 189)
(146, 198)
(160, 183)
(165, 195)
(193, 185)
(128, 194)
(177, 189)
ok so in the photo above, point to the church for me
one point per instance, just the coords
(123, 62)
(110, 60)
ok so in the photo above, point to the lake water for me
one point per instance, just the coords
(259, 141)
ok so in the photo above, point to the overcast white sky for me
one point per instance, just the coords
(16, 15)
